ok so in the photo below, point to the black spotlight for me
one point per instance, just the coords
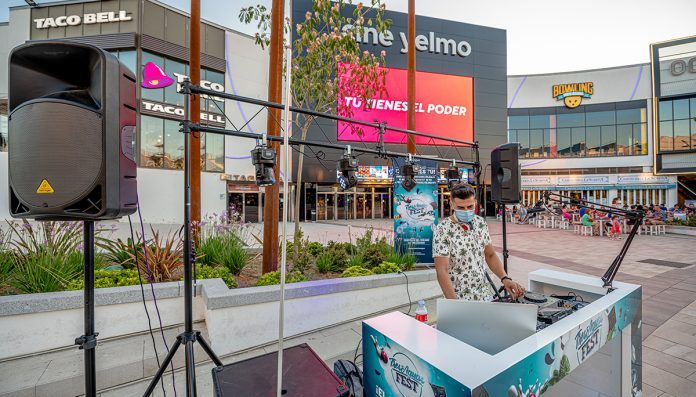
(408, 170)
(452, 175)
(264, 158)
(348, 165)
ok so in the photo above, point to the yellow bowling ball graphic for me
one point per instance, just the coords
(572, 101)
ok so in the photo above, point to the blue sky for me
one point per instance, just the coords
(544, 36)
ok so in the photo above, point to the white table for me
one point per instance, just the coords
(561, 360)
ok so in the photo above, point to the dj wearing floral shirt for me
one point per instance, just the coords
(460, 246)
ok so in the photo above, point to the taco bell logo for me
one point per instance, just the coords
(405, 375)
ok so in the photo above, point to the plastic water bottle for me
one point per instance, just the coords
(422, 312)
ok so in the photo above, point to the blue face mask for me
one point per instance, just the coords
(464, 216)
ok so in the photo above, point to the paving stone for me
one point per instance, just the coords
(667, 362)
(668, 382)
(683, 352)
(686, 286)
(657, 343)
(656, 313)
(649, 391)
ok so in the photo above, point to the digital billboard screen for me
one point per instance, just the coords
(443, 105)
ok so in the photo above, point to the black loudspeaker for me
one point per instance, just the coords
(72, 115)
(505, 174)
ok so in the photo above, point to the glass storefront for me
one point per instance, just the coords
(362, 202)
(677, 124)
(615, 129)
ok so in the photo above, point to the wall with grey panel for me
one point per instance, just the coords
(486, 63)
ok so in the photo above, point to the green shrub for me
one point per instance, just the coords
(346, 247)
(406, 260)
(44, 270)
(375, 253)
(204, 271)
(272, 278)
(299, 254)
(356, 260)
(223, 250)
(338, 255)
(690, 221)
(324, 263)
(386, 267)
(6, 266)
(315, 248)
(108, 279)
(356, 271)
(118, 252)
(209, 250)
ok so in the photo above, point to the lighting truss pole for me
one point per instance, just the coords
(271, 207)
(411, 86)
(195, 109)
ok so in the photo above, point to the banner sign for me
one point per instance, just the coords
(392, 370)
(415, 212)
(445, 109)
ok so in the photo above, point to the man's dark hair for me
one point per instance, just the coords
(462, 191)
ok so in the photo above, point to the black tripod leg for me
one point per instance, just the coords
(207, 349)
(190, 370)
(162, 368)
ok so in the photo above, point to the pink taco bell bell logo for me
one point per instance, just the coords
(154, 77)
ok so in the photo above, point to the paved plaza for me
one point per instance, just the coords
(669, 313)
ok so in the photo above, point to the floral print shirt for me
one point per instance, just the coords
(465, 250)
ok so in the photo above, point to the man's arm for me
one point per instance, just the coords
(514, 289)
(442, 270)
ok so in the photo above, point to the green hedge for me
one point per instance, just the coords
(273, 278)
(356, 271)
(120, 278)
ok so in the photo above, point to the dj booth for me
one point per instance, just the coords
(496, 349)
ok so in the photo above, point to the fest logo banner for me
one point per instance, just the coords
(415, 212)
(444, 107)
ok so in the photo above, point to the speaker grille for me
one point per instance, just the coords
(58, 142)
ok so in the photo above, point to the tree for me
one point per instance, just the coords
(328, 63)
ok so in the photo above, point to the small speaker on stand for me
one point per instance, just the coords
(505, 183)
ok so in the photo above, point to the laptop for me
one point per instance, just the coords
(488, 326)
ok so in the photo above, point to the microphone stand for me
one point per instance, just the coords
(635, 216)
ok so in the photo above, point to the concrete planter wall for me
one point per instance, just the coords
(685, 230)
(235, 319)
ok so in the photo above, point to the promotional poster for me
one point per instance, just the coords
(444, 109)
(416, 211)
(390, 370)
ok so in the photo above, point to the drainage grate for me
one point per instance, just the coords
(666, 263)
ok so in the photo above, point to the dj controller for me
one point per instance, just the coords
(551, 308)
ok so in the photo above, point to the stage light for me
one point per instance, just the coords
(348, 165)
(408, 170)
(452, 175)
(264, 159)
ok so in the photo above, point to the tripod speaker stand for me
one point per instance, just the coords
(189, 336)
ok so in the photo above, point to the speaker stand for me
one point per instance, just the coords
(88, 341)
(506, 253)
(189, 336)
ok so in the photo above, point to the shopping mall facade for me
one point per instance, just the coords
(626, 132)
(556, 158)
(141, 31)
